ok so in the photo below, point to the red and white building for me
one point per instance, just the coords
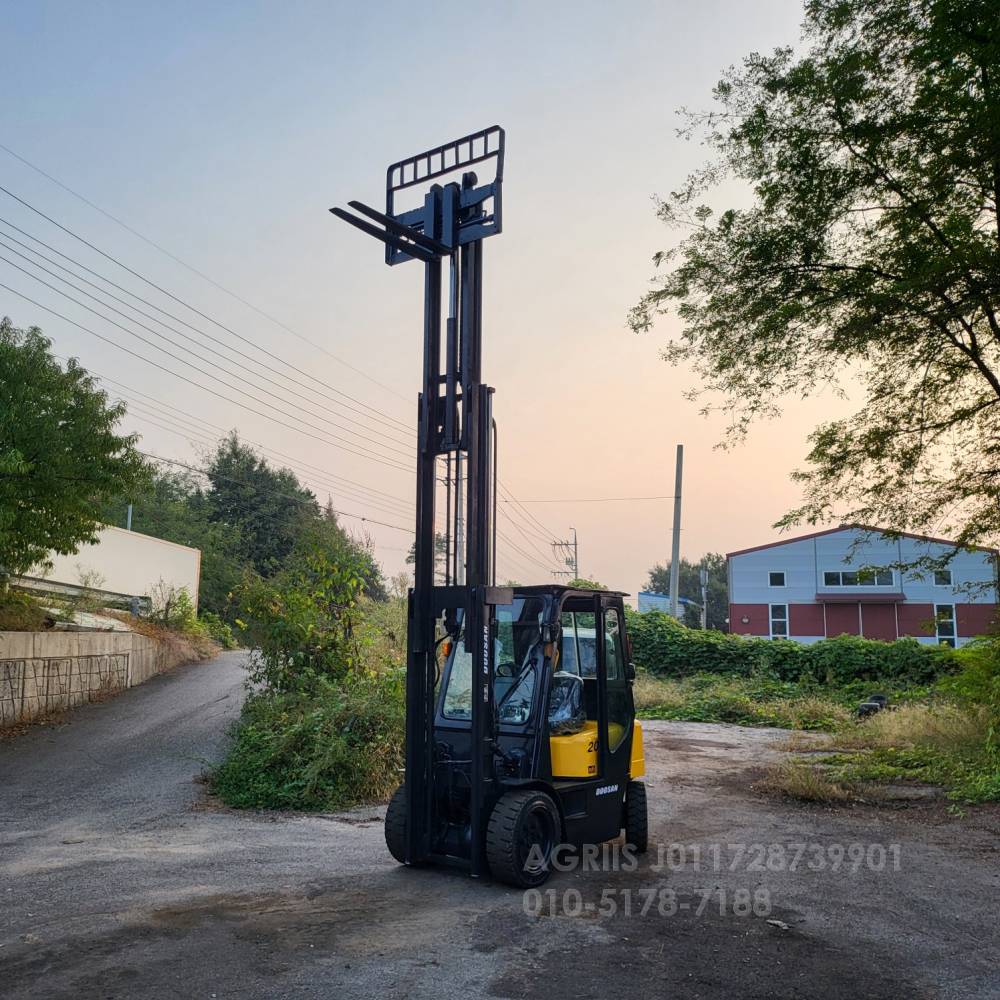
(847, 581)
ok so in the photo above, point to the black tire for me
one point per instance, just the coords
(636, 817)
(395, 825)
(520, 821)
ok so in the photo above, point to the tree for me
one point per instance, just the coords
(689, 586)
(870, 252)
(586, 584)
(268, 506)
(60, 457)
(440, 556)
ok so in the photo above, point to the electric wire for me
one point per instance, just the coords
(194, 270)
(390, 423)
(198, 385)
(159, 288)
(200, 357)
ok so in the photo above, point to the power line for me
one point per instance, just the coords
(547, 533)
(194, 270)
(588, 500)
(290, 496)
(198, 385)
(181, 347)
(317, 485)
(170, 409)
(176, 298)
(160, 289)
(367, 410)
(174, 257)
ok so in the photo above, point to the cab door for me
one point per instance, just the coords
(616, 714)
(620, 711)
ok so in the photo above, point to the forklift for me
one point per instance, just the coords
(521, 733)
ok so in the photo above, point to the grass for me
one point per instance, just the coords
(926, 737)
(22, 613)
(944, 744)
(797, 779)
(940, 743)
(753, 701)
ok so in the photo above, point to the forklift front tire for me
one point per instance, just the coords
(636, 819)
(521, 835)
(395, 825)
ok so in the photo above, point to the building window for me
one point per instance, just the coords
(942, 578)
(776, 579)
(860, 578)
(944, 615)
(779, 621)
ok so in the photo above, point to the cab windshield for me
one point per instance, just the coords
(517, 654)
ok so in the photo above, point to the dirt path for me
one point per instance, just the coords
(119, 881)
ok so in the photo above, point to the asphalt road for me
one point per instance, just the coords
(120, 878)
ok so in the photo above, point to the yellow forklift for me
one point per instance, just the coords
(520, 725)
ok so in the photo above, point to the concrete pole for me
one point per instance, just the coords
(128, 519)
(703, 575)
(675, 552)
(576, 557)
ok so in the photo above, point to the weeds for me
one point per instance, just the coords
(753, 701)
(330, 748)
(797, 779)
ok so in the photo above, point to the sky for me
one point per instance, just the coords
(223, 132)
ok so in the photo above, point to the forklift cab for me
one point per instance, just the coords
(566, 749)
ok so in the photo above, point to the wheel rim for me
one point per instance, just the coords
(537, 830)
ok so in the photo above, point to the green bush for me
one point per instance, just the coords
(216, 629)
(978, 682)
(665, 647)
(302, 622)
(326, 749)
(324, 727)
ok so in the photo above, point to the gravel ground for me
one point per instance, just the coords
(121, 878)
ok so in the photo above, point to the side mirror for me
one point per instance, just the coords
(630, 670)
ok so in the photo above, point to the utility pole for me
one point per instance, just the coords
(675, 555)
(561, 549)
(128, 518)
(703, 575)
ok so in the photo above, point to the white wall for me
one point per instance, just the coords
(130, 563)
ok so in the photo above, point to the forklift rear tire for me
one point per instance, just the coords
(395, 825)
(521, 835)
(636, 818)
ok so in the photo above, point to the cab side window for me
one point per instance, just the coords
(613, 645)
(619, 696)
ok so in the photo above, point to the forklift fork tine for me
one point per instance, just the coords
(434, 246)
(413, 249)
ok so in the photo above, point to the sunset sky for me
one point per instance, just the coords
(224, 132)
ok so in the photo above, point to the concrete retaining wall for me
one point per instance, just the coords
(42, 672)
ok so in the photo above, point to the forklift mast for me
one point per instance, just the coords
(455, 428)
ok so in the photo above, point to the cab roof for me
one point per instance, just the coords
(558, 589)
